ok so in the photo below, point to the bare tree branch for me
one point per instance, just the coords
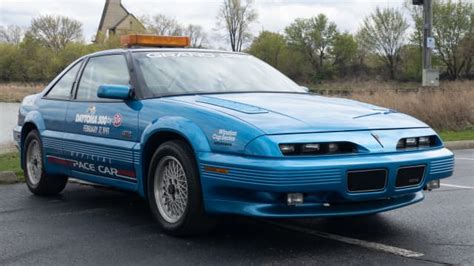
(11, 34)
(235, 17)
(162, 25)
(197, 35)
(384, 33)
(56, 31)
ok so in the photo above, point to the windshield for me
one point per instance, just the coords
(175, 73)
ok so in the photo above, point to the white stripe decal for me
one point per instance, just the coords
(462, 158)
(456, 186)
(352, 241)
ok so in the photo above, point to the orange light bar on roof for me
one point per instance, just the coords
(154, 40)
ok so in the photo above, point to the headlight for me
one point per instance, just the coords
(289, 149)
(425, 141)
(309, 148)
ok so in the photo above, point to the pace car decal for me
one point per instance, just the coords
(224, 137)
(94, 168)
(90, 157)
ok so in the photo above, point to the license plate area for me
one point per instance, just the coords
(366, 180)
(410, 176)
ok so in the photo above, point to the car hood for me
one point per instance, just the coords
(282, 113)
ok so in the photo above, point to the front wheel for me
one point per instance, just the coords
(37, 179)
(174, 191)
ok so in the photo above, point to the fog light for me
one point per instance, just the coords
(294, 198)
(287, 148)
(411, 142)
(433, 184)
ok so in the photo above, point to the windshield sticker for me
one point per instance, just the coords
(191, 54)
(224, 137)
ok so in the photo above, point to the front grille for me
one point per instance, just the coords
(410, 176)
(366, 180)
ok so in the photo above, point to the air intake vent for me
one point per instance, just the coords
(366, 180)
(410, 176)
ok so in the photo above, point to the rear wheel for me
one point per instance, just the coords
(37, 179)
(174, 191)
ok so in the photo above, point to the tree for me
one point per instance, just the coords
(235, 17)
(56, 31)
(344, 51)
(162, 25)
(197, 36)
(384, 32)
(269, 47)
(313, 37)
(272, 48)
(452, 25)
(452, 30)
(416, 13)
(11, 34)
(467, 49)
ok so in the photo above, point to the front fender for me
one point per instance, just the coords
(175, 124)
(179, 125)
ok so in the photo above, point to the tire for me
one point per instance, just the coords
(39, 182)
(174, 191)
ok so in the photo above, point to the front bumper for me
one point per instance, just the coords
(17, 136)
(258, 186)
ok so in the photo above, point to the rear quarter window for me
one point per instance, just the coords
(62, 88)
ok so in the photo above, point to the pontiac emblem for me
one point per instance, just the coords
(377, 138)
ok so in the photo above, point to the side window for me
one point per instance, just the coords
(109, 69)
(62, 88)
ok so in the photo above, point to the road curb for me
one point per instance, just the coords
(8, 177)
(7, 148)
(459, 145)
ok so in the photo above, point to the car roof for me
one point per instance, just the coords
(148, 49)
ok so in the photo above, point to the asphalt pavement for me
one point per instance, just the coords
(99, 226)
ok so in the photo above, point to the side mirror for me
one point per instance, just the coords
(112, 91)
(306, 89)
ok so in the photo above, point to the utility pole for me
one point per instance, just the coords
(427, 32)
(430, 75)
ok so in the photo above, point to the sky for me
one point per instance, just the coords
(273, 15)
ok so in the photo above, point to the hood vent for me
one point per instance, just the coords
(236, 106)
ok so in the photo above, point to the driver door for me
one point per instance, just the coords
(102, 133)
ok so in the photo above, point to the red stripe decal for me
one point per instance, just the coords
(126, 173)
(57, 160)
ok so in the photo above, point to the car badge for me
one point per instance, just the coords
(91, 109)
(377, 138)
(117, 120)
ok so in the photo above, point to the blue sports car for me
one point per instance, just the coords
(200, 133)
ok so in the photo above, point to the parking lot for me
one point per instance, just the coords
(89, 225)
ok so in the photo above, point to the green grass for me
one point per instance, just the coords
(458, 135)
(11, 162)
